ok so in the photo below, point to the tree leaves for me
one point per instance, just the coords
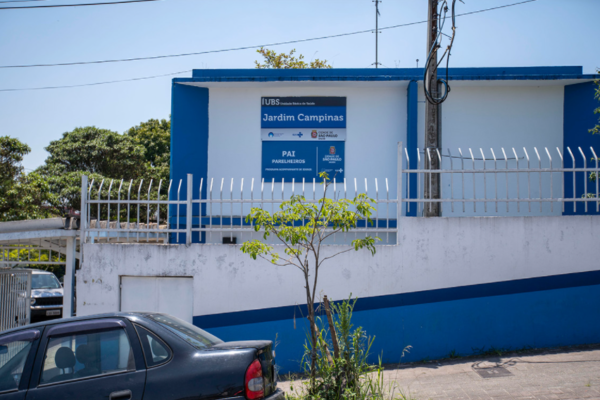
(95, 150)
(23, 196)
(596, 129)
(27, 197)
(272, 60)
(155, 137)
(11, 155)
(303, 225)
(143, 152)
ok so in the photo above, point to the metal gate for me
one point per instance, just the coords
(15, 298)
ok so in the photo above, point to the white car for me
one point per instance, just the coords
(46, 296)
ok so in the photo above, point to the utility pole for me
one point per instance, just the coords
(432, 119)
(376, 32)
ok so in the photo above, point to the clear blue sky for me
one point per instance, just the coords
(545, 32)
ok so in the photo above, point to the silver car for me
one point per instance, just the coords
(46, 296)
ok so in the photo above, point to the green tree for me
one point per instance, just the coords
(24, 196)
(155, 137)
(596, 129)
(11, 156)
(142, 153)
(95, 150)
(302, 227)
(99, 153)
(29, 197)
(287, 61)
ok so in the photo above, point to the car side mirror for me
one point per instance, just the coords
(3, 349)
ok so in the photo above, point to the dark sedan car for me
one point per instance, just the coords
(132, 356)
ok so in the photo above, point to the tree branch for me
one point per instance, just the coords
(333, 233)
(277, 264)
(276, 233)
(336, 254)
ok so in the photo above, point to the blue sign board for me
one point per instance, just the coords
(296, 160)
(303, 136)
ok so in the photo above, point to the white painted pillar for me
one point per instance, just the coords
(399, 191)
(188, 210)
(83, 213)
(69, 281)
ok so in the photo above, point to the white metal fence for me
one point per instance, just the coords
(219, 209)
(478, 182)
(15, 297)
(474, 182)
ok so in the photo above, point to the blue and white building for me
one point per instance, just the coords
(498, 269)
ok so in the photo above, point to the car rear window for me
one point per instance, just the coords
(195, 336)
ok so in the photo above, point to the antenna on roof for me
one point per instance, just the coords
(377, 64)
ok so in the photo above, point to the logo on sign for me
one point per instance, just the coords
(313, 134)
(332, 150)
(271, 134)
(299, 134)
(270, 102)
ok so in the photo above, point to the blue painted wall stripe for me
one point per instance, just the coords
(227, 221)
(398, 72)
(189, 146)
(547, 318)
(409, 299)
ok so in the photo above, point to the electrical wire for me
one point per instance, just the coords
(96, 83)
(181, 72)
(19, 1)
(204, 52)
(427, 73)
(78, 5)
(246, 47)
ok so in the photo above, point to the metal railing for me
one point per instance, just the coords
(219, 209)
(503, 181)
(473, 182)
(15, 297)
(31, 252)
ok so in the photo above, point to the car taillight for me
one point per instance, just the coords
(255, 384)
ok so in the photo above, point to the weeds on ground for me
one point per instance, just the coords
(342, 370)
(453, 354)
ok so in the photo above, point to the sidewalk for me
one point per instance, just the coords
(566, 373)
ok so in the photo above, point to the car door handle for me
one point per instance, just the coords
(120, 395)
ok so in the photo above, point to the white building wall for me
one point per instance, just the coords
(376, 122)
(434, 253)
(484, 115)
(481, 114)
